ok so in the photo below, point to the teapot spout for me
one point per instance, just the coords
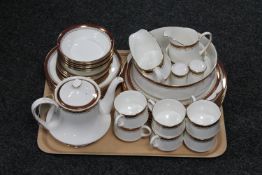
(106, 103)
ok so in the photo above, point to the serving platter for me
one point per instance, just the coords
(110, 145)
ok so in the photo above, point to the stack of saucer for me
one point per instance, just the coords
(85, 50)
(131, 114)
(168, 124)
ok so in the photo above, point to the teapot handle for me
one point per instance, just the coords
(209, 41)
(38, 104)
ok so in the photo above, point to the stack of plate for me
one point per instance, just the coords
(83, 50)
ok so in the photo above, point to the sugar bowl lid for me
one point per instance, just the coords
(77, 94)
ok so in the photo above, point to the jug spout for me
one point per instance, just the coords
(106, 103)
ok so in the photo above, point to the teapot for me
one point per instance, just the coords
(78, 115)
(185, 44)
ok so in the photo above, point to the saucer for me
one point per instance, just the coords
(51, 74)
(77, 135)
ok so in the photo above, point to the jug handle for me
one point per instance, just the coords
(37, 104)
(209, 41)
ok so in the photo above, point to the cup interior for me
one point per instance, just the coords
(203, 113)
(85, 44)
(186, 36)
(169, 112)
(130, 102)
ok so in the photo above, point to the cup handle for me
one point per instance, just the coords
(209, 41)
(159, 76)
(151, 103)
(153, 142)
(117, 123)
(146, 131)
(36, 104)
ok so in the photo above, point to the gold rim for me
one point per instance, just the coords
(184, 46)
(97, 27)
(203, 126)
(108, 62)
(199, 140)
(97, 75)
(168, 127)
(162, 138)
(62, 74)
(51, 83)
(84, 66)
(70, 108)
(131, 116)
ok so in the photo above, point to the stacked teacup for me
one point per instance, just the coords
(84, 50)
(202, 125)
(168, 124)
(130, 116)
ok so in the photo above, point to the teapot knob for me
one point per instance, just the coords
(77, 83)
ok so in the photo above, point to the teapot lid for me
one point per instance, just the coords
(77, 94)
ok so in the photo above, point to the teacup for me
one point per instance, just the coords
(131, 109)
(166, 144)
(203, 119)
(168, 117)
(85, 44)
(132, 135)
(184, 44)
(199, 145)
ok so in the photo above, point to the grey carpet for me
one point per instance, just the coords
(28, 30)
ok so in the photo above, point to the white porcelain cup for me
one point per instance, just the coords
(168, 117)
(132, 135)
(166, 144)
(199, 145)
(203, 119)
(131, 109)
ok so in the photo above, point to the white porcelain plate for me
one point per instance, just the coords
(113, 71)
(77, 135)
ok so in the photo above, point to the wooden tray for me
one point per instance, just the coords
(110, 145)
